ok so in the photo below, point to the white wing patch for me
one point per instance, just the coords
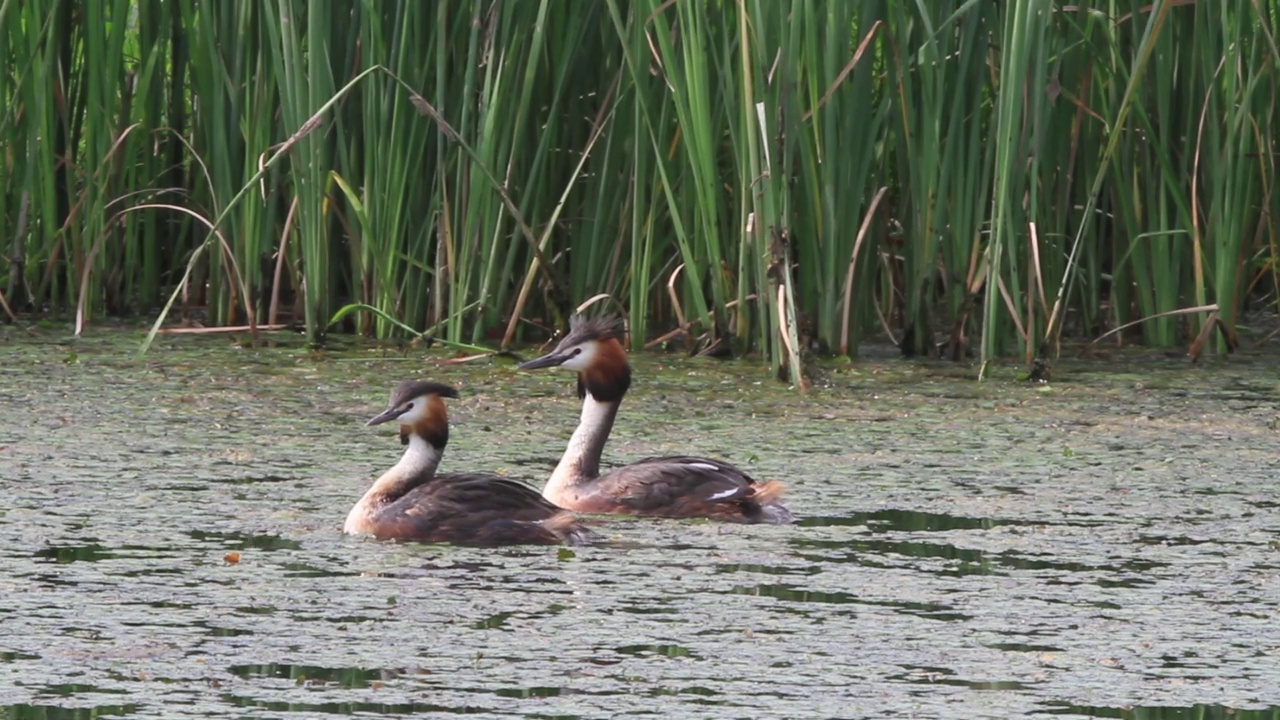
(722, 495)
(702, 466)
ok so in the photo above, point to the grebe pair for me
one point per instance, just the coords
(409, 503)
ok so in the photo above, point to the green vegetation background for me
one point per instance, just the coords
(968, 176)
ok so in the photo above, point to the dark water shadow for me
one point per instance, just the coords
(94, 551)
(792, 594)
(668, 651)
(352, 708)
(923, 675)
(317, 678)
(891, 520)
(251, 480)
(1155, 712)
(871, 551)
(314, 675)
(39, 711)
(244, 541)
(7, 656)
(880, 553)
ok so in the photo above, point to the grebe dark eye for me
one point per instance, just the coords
(576, 351)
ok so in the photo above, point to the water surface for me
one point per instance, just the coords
(1101, 546)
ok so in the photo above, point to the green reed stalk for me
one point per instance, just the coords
(390, 246)
(941, 78)
(16, 198)
(644, 176)
(762, 195)
(39, 132)
(562, 147)
(208, 35)
(840, 160)
(1238, 95)
(1150, 203)
(141, 165)
(1067, 158)
(692, 211)
(476, 208)
(97, 89)
(1018, 106)
(489, 122)
(644, 172)
(1143, 50)
(300, 37)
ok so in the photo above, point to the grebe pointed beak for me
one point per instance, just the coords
(551, 359)
(387, 415)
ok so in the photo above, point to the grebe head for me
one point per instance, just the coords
(592, 349)
(418, 405)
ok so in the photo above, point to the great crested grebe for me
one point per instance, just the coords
(411, 502)
(678, 486)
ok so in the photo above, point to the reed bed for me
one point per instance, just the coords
(966, 177)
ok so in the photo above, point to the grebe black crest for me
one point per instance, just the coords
(409, 400)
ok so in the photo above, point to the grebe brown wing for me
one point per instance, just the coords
(477, 509)
(689, 486)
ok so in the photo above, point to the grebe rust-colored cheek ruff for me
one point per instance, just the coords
(606, 383)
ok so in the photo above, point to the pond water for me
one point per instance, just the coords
(1101, 546)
